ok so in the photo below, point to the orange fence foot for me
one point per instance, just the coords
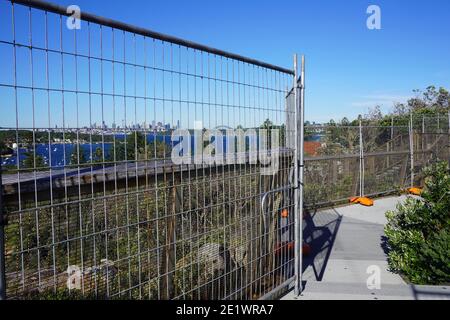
(415, 191)
(362, 201)
(306, 249)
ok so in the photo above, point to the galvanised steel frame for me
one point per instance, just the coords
(96, 207)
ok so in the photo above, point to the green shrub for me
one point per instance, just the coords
(60, 294)
(418, 231)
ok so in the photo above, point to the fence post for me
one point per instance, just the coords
(448, 120)
(299, 91)
(297, 215)
(301, 165)
(438, 124)
(2, 243)
(448, 137)
(411, 147)
(422, 140)
(423, 124)
(392, 128)
(390, 143)
(361, 160)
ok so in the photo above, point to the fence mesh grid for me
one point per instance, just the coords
(334, 167)
(95, 205)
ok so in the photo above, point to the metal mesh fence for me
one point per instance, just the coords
(331, 163)
(386, 156)
(343, 161)
(96, 207)
(431, 142)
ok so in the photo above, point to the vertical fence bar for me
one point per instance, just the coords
(438, 124)
(448, 138)
(2, 243)
(411, 147)
(448, 119)
(390, 144)
(392, 128)
(361, 160)
(297, 217)
(302, 164)
(423, 124)
(422, 138)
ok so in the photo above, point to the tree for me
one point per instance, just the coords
(267, 124)
(430, 101)
(443, 98)
(33, 162)
(374, 114)
(400, 109)
(77, 156)
(4, 149)
(345, 121)
(136, 142)
(98, 155)
(158, 149)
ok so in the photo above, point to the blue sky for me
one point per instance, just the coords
(349, 68)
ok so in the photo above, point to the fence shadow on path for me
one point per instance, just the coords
(319, 233)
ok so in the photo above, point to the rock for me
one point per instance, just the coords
(212, 256)
(74, 278)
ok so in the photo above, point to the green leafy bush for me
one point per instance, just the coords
(418, 231)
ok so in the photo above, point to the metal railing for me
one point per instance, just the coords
(95, 206)
(371, 159)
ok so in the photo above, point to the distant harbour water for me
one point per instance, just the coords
(314, 138)
(55, 152)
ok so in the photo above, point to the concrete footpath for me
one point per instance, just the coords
(348, 249)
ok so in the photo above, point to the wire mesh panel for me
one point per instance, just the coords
(386, 173)
(139, 167)
(331, 163)
(344, 161)
(431, 143)
(386, 158)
